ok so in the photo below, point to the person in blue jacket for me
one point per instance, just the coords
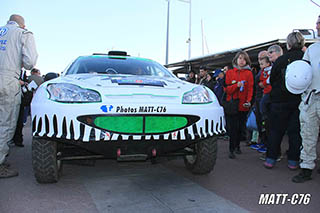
(218, 87)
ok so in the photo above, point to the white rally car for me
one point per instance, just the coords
(120, 107)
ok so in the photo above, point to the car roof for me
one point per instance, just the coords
(115, 57)
(117, 54)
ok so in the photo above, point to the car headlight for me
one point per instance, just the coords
(198, 95)
(70, 93)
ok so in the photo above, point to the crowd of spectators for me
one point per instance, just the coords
(275, 108)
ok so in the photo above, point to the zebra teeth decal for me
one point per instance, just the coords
(53, 126)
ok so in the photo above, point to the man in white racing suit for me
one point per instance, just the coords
(310, 114)
(17, 50)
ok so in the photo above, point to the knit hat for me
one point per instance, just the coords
(217, 72)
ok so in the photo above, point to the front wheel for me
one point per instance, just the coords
(204, 157)
(45, 163)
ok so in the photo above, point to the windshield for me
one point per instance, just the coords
(117, 65)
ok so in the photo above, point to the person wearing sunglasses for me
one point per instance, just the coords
(284, 111)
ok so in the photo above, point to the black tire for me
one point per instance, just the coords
(205, 156)
(45, 165)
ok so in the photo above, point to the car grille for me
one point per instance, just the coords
(139, 124)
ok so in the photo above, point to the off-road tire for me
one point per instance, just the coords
(205, 156)
(45, 165)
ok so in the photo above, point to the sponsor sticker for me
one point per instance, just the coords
(141, 109)
(106, 108)
(174, 135)
(3, 31)
(3, 45)
(145, 82)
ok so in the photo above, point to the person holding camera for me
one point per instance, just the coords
(18, 136)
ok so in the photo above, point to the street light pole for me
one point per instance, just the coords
(189, 55)
(189, 39)
(167, 41)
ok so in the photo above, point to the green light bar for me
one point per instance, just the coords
(157, 124)
(137, 124)
(123, 124)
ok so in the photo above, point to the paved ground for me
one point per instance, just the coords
(234, 186)
(244, 179)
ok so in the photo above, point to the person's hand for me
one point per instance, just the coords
(240, 84)
(304, 48)
(261, 85)
(23, 83)
(208, 77)
(247, 104)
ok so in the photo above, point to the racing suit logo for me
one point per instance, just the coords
(3, 31)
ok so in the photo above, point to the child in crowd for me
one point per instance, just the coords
(264, 83)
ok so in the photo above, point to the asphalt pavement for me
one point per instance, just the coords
(108, 186)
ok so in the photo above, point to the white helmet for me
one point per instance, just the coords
(298, 76)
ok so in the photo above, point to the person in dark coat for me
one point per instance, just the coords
(218, 87)
(209, 81)
(18, 136)
(284, 112)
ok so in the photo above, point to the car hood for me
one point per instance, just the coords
(138, 87)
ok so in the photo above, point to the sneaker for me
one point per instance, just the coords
(256, 146)
(10, 143)
(6, 165)
(303, 176)
(262, 150)
(293, 165)
(269, 163)
(7, 172)
(263, 156)
(226, 138)
(251, 143)
(238, 151)
(231, 155)
(279, 158)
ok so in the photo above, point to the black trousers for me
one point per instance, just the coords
(258, 115)
(263, 121)
(235, 124)
(284, 117)
(18, 137)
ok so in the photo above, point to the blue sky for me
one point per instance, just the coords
(66, 29)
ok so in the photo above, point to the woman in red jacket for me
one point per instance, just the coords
(238, 85)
